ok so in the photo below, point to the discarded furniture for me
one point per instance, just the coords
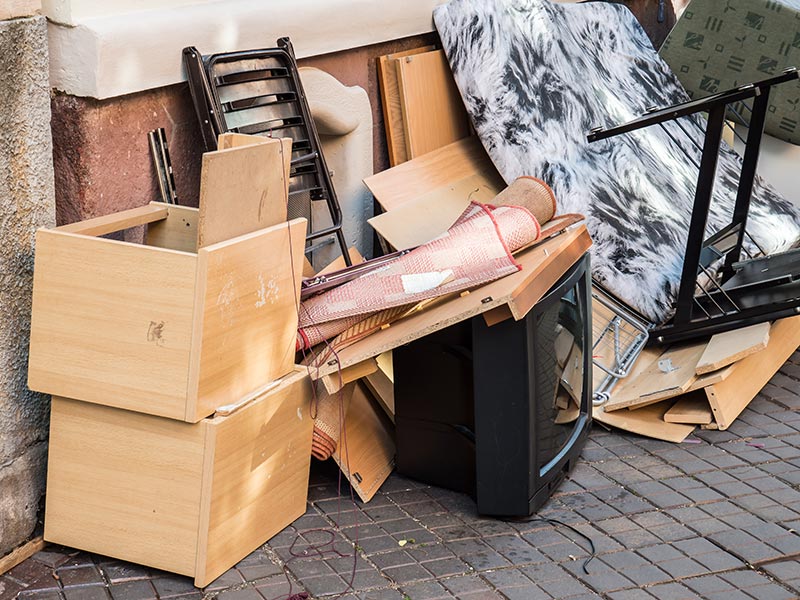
(532, 109)
(471, 397)
(259, 92)
(188, 498)
(180, 434)
(722, 286)
(716, 46)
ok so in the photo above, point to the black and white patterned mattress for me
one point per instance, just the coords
(537, 76)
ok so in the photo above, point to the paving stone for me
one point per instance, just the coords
(87, 592)
(466, 584)
(407, 573)
(426, 590)
(173, 585)
(600, 578)
(72, 576)
(28, 594)
(245, 593)
(133, 590)
(746, 547)
(672, 591)
(525, 592)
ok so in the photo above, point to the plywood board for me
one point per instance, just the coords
(390, 101)
(177, 232)
(243, 189)
(433, 112)
(657, 382)
(124, 484)
(365, 454)
(419, 221)
(542, 266)
(112, 322)
(434, 170)
(691, 409)
(246, 317)
(728, 347)
(730, 397)
(258, 477)
(647, 421)
(703, 381)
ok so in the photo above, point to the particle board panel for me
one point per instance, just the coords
(647, 421)
(433, 112)
(518, 290)
(243, 188)
(178, 231)
(365, 453)
(654, 384)
(728, 347)
(246, 318)
(190, 498)
(390, 101)
(112, 321)
(381, 386)
(419, 221)
(124, 484)
(691, 409)
(730, 397)
(434, 170)
(259, 474)
(703, 381)
(141, 215)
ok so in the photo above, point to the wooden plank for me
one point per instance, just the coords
(177, 232)
(243, 189)
(535, 274)
(14, 9)
(728, 347)
(336, 381)
(381, 385)
(390, 101)
(418, 221)
(691, 409)
(112, 322)
(365, 454)
(433, 112)
(246, 316)
(142, 215)
(124, 484)
(730, 397)
(338, 263)
(434, 170)
(647, 421)
(260, 474)
(18, 555)
(703, 381)
(655, 383)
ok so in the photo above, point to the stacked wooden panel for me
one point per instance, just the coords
(140, 344)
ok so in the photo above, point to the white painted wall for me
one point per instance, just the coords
(102, 53)
(777, 164)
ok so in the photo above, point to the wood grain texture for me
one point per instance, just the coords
(365, 453)
(730, 397)
(647, 421)
(433, 112)
(124, 484)
(391, 104)
(654, 384)
(23, 553)
(336, 381)
(520, 289)
(728, 347)
(111, 322)
(691, 409)
(262, 456)
(243, 189)
(381, 385)
(246, 315)
(708, 379)
(420, 220)
(177, 232)
(142, 215)
(434, 170)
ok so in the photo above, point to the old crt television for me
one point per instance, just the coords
(500, 412)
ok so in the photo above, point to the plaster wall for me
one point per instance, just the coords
(26, 203)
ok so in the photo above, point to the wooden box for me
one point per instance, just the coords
(188, 498)
(163, 327)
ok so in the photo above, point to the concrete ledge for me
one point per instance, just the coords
(108, 56)
(13, 9)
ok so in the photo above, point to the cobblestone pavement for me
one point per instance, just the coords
(713, 518)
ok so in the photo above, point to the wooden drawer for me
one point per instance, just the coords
(188, 498)
(163, 328)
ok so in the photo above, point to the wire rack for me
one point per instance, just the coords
(618, 337)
